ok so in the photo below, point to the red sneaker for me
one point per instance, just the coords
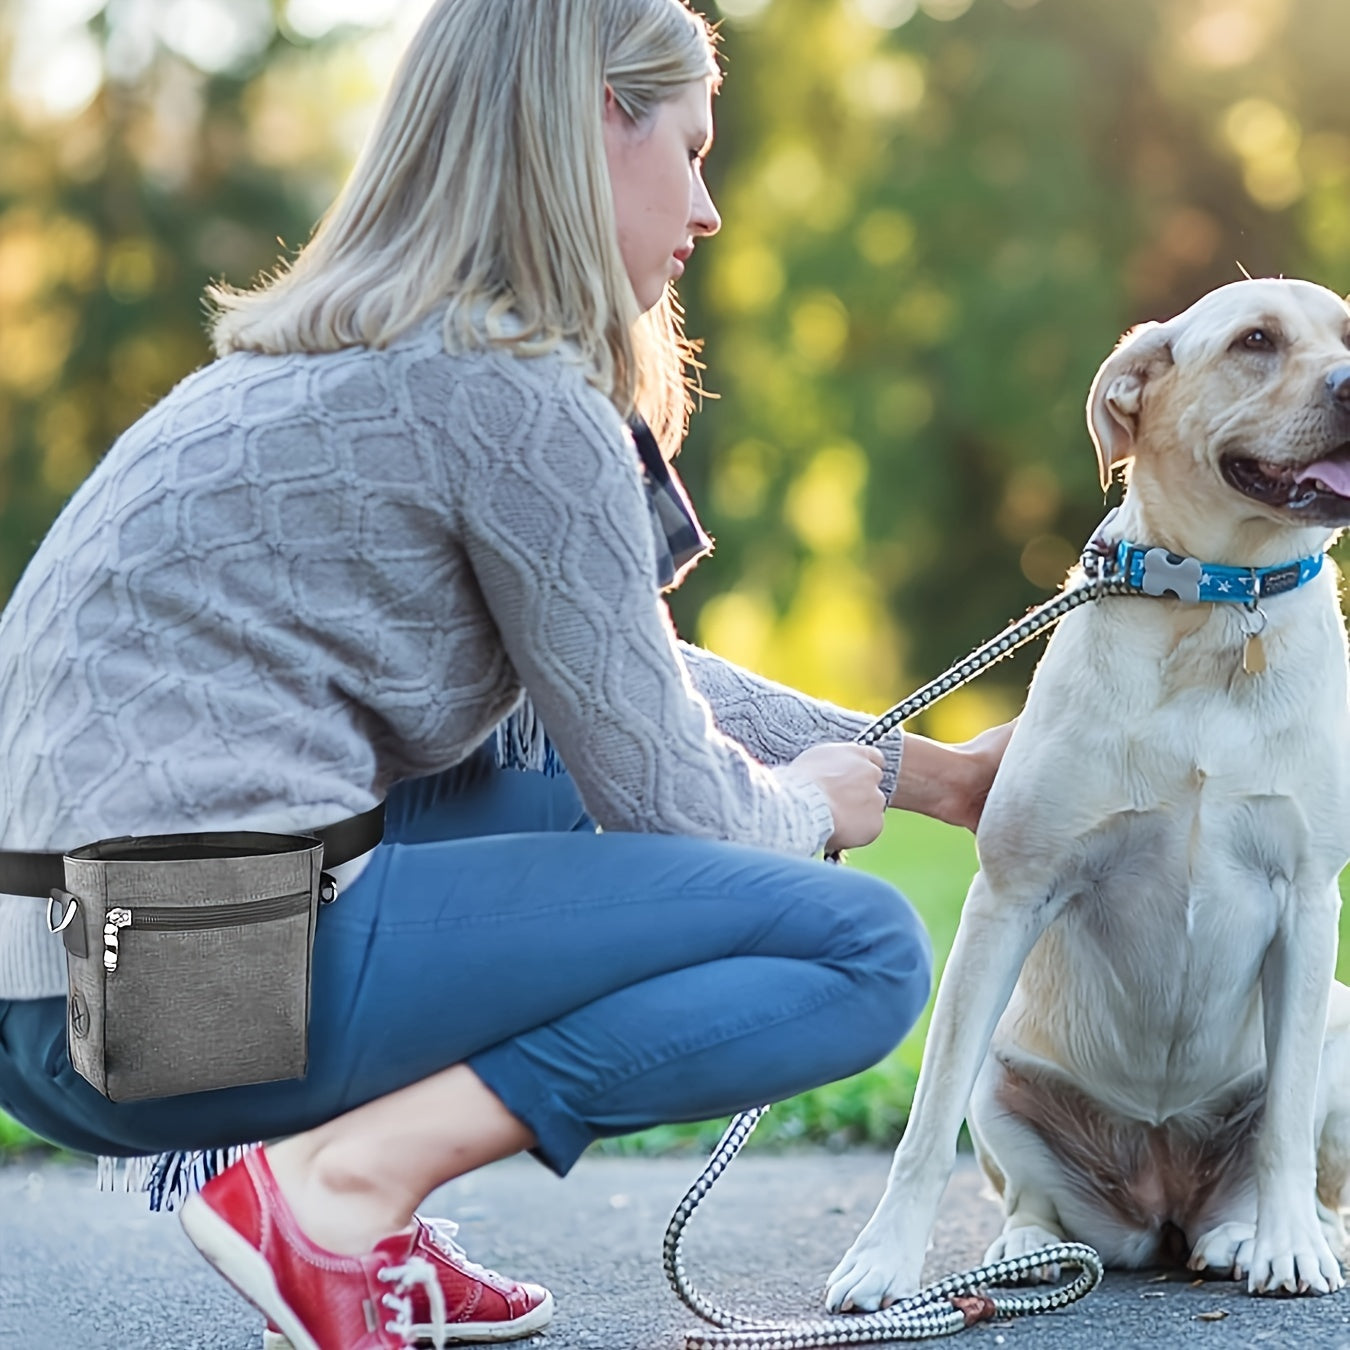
(412, 1287)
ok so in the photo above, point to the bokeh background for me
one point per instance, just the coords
(939, 216)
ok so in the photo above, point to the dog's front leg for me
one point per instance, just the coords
(996, 933)
(1290, 1251)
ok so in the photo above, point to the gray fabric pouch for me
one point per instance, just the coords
(189, 960)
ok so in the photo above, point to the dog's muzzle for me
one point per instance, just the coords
(1316, 493)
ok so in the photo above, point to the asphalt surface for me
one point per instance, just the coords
(81, 1270)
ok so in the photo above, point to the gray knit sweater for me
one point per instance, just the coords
(298, 580)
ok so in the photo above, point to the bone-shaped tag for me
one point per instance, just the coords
(1168, 574)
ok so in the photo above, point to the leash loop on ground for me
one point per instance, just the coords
(963, 1298)
(950, 1305)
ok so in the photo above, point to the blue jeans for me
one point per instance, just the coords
(597, 983)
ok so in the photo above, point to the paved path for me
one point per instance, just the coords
(84, 1271)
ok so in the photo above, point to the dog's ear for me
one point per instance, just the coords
(1117, 393)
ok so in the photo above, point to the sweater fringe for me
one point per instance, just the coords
(168, 1178)
(522, 743)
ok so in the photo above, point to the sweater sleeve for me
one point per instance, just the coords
(775, 722)
(558, 535)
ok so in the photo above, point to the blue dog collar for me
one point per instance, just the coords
(1155, 571)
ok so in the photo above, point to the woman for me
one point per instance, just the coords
(324, 571)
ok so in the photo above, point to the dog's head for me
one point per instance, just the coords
(1239, 406)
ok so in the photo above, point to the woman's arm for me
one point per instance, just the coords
(950, 782)
(775, 722)
(556, 529)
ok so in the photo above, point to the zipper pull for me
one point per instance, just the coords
(116, 919)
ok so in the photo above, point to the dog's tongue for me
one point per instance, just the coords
(1335, 473)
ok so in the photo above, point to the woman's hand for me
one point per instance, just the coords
(950, 782)
(850, 777)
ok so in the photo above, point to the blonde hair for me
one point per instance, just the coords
(485, 183)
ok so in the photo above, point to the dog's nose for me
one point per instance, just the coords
(1338, 384)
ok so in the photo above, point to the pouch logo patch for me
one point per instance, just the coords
(79, 1016)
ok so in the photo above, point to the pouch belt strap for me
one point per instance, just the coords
(38, 873)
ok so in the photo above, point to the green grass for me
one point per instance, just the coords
(14, 1139)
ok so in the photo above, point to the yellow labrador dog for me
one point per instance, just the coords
(1139, 1013)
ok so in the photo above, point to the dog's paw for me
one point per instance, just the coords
(1225, 1250)
(1291, 1259)
(875, 1272)
(1022, 1241)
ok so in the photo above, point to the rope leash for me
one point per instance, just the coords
(994, 650)
(963, 1298)
(950, 1305)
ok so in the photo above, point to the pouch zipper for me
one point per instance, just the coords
(163, 919)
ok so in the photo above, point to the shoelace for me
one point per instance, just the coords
(442, 1232)
(415, 1270)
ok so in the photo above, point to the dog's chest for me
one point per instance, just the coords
(1148, 980)
(1145, 708)
(1195, 884)
(1189, 815)
(1179, 886)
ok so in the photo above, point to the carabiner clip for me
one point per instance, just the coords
(59, 897)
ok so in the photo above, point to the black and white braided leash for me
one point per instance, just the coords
(1001, 645)
(966, 1297)
(950, 1305)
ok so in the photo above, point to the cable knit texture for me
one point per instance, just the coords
(775, 722)
(300, 579)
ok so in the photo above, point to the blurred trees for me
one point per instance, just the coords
(146, 147)
(938, 218)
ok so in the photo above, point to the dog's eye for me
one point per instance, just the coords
(1258, 340)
